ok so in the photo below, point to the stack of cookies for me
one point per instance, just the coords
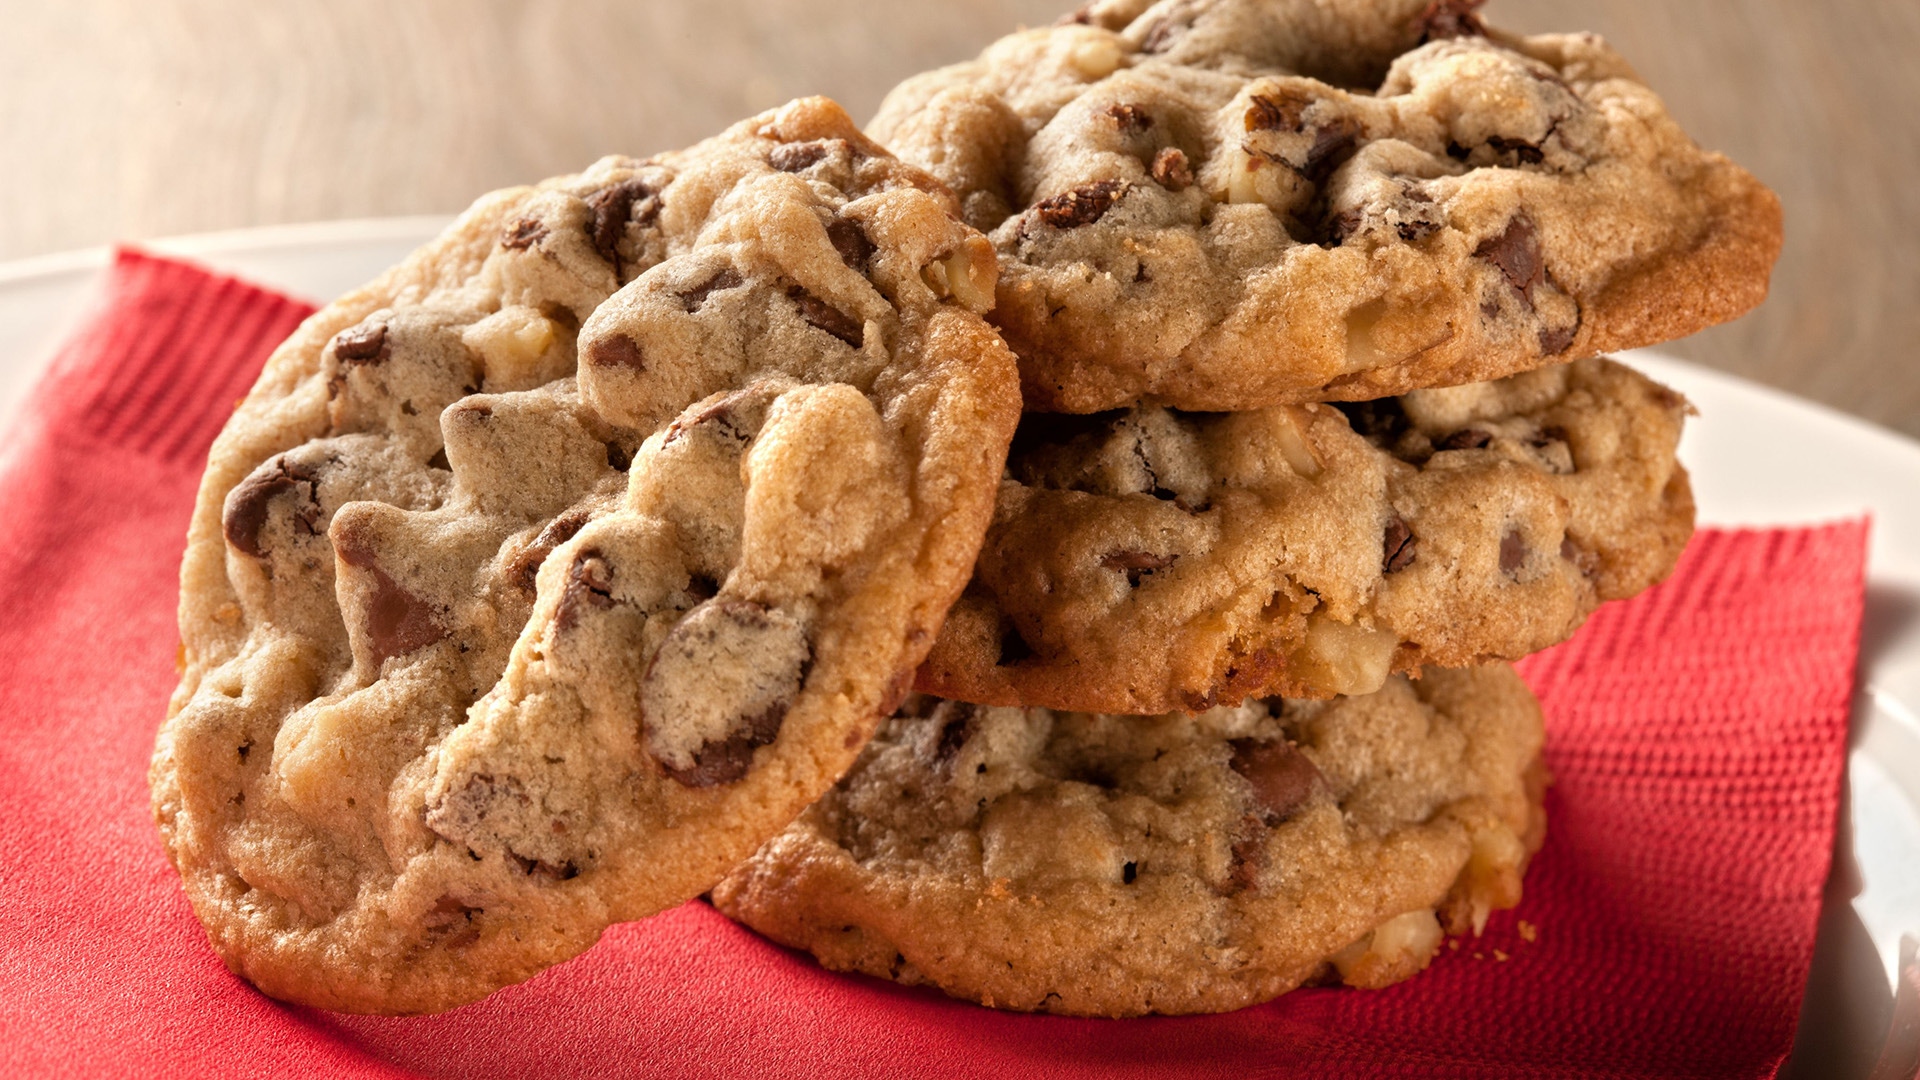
(1060, 546)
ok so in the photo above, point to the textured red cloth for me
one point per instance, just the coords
(1697, 735)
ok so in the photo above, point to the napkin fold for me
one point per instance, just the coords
(1697, 736)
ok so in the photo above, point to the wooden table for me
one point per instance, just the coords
(125, 119)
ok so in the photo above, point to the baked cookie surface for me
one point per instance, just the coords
(1114, 866)
(1151, 560)
(1230, 204)
(485, 647)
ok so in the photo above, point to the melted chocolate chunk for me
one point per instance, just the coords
(1582, 559)
(1466, 439)
(1136, 564)
(1283, 778)
(1249, 854)
(362, 344)
(1555, 340)
(1513, 553)
(1332, 146)
(614, 208)
(1450, 19)
(1522, 151)
(616, 350)
(957, 721)
(524, 234)
(398, 622)
(589, 585)
(524, 570)
(850, 240)
(726, 760)
(723, 279)
(824, 316)
(720, 412)
(1516, 253)
(1083, 205)
(1340, 227)
(798, 157)
(245, 513)
(1171, 170)
(1398, 547)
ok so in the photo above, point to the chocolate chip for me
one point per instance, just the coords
(614, 208)
(957, 720)
(454, 918)
(1513, 553)
(1516, 252)
(727, 760)
(850, 240)
(1583, 560)
(1523, 151)
(1398, 548)
(719, 413)
(1341, 226)
(1172, 26)
(524, 570)
(1130, 119)
(1129, 872)
(1083, 205)
(616, 350)
(362, 344)
(523, 234)
(589, 585)
(798, 157)
(1555, 340)
(1466, 439)
(1249, 854)
(1411, 231)
(398, 622)
(824, 316)
(561, 872)
(1283, 778)
(1450, 19)
(244, 513)
(1171, 171)
(723, 279)
(1136, 564)
(1333, 144)
(731, 661)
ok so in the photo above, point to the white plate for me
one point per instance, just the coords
(1759, 457)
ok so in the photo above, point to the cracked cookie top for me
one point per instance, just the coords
(1149, 559)
(1119, 865)
(1230, 204)
(543, 578)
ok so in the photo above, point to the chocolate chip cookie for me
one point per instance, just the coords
(1230, 204)
(1150, 560)
(486, 646)
(1116, 865)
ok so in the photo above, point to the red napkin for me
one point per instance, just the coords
(1697, 735)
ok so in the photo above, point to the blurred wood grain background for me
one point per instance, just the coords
(128, 119)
